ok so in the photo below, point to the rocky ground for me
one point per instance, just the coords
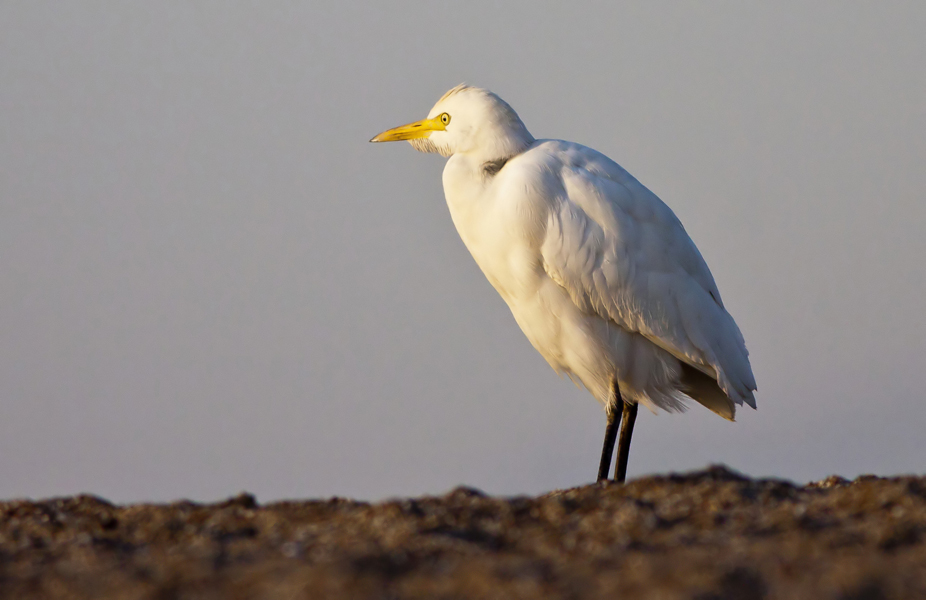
(707, 535)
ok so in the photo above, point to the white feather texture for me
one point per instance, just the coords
(598, 272)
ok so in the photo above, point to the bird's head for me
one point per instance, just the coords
(466, 120)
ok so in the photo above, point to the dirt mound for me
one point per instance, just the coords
(706, 535)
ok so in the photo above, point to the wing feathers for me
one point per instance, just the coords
(621, 253)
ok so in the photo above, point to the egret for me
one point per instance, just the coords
(598, 272)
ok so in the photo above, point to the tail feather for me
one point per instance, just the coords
(705, 391)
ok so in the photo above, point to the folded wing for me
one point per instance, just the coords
(621, 253)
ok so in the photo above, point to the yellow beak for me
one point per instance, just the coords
(412, 131)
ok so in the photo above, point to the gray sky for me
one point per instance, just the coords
(211, 282)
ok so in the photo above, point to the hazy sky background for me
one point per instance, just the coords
(210, 281)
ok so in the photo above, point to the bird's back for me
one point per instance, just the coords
(601, 276)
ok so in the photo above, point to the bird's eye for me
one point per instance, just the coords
(445, 118)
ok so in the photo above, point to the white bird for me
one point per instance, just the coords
(596, 269)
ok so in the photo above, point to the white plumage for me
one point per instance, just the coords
(598, 271)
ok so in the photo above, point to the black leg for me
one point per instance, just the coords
(623, 445)
(610, 434)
